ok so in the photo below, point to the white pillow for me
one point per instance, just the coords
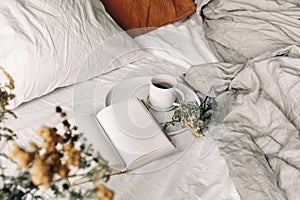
(45, 44)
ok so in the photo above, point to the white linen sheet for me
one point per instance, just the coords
(200, 173)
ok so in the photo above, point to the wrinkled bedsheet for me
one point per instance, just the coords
(259, 133)
(238, 30)
(200, 172)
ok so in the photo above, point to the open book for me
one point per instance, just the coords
(130, 136)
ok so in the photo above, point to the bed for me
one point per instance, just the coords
(257, 79)
(247, 153)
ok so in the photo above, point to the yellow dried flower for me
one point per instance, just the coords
(74, 157)
(40, 174)
(104, 193)
(68, 146)
(52, 158)
(58, 139)
(35, 147)
(45, 131)
(24, 158)
(49, 146)
(198, 135)
(45, 167)
(51, 138)
(63, 171)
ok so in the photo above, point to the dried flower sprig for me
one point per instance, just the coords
(103, 192)
(193, 116)
(5, 97)
(49, 164)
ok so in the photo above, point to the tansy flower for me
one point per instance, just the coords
(35, 147)
(104, 193)
(68, 146)
(49, 146)
(63, 171)
(40, 174)
(45, 131)
(24, 158)
(74, 155)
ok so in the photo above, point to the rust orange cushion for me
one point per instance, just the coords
(147, 14)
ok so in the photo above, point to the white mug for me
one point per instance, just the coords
(162, 93)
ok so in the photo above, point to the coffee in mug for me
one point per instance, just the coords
(162, 93)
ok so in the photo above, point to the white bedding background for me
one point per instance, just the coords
(48, 44)
(200, 173)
